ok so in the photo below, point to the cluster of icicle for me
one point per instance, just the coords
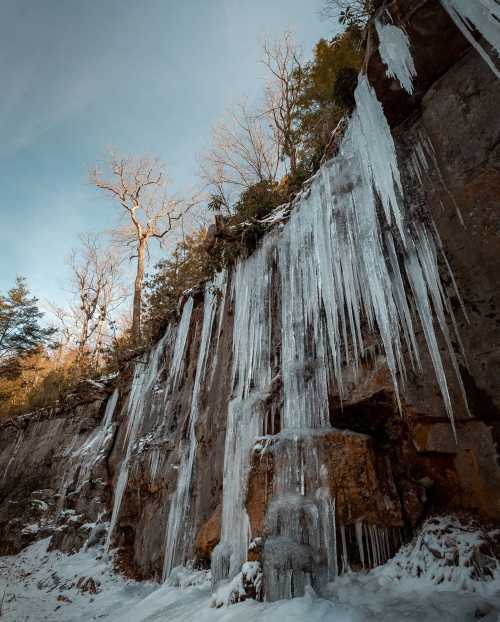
(179, 535)
(482, 16)
(350, 264)
(395, 52)
(145, 377)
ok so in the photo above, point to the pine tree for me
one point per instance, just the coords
(21, 334)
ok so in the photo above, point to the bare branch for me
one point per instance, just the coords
(283, 61)
(243, 152)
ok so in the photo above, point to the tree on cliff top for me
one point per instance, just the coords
(283, 60)
(244, 151)
(349, 12)
(20, 331)
(139, 186)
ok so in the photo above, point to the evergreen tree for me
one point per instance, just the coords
(21, 334)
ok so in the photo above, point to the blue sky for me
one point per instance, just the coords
(142, 76)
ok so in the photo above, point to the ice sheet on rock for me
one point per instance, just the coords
(394, 48)
(88, 454)
(482, 15)
(19, 440)
(83, 454)
(144, 379)
(179, 536)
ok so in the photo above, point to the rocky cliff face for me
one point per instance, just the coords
(232, 440)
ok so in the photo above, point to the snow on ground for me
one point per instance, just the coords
(445, 575)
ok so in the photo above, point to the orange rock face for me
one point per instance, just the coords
(209, 535)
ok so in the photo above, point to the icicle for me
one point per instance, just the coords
(19, 440)
(220, 286)
(394, 48)
(110, 410)
(176, 366)
(345, 555)
(423, 156)
(484, 16)
(178, 536)
(154, 463)
(328, 533)
(376, 150)
(359, 539)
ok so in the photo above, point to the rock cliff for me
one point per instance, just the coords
(220, 447)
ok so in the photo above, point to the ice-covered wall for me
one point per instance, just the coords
(308, 405)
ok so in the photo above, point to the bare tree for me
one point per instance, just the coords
(139, 185)
(243, 152)
(283, 92)
(95, 278)
(65, 329)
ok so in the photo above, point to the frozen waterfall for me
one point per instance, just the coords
(145, 376)
(352, 266)
(179, 535)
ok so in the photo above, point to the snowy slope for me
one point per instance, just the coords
(446, 574)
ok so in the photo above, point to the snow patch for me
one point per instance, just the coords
(448, 574)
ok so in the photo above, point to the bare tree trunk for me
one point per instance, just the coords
(293, 159)
(82, 342)
(139, 276)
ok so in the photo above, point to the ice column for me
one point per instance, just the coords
(251, 377)
(301, 549)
